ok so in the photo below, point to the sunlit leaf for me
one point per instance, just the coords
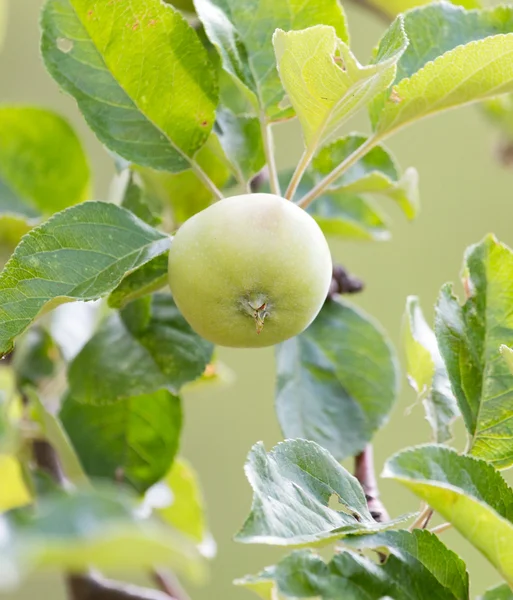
(81, 253)
(467, 492)
(427, 373)
(292, 486)
(111, 60)
(337, 381)
(43, 168)
(501, 592)
(324, 81)
(469, 338)
(135, 440)
(13, 489)
(454, 57)
(146, 348)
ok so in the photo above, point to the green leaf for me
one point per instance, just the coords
(147, 347)
(81, 253)
(454, 57)
(392, 8)
(111, 60)
(337, 381)
(135, 440)
(243, 39)
(375, 173)
(242, 143)
(91, 529)
(501, 592)
(184, 192)
(469, 338)
(145, 280)
(35, 358)
(43, 168)
(507, 355)
(467, 492)
(325, 83)
(133, 197)
(186, 510)
(427, 373)
(55, 434)
(418, 566)
(263, 584)
(293, 485)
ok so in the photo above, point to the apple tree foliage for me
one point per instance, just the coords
(186, 97)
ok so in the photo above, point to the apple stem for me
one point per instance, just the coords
(267, 136)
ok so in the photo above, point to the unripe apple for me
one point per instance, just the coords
(250, 271)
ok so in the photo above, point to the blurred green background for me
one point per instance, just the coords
(465, 194)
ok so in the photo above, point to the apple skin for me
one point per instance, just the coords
(250, 271)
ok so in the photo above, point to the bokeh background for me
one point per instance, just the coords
(465, 194)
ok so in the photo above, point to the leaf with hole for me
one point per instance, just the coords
(82, 253)
(427, 373)
(337, 381)
(467, 492)
(110, 58)
(324, 81)
(469, 337)
(145, 348)
(294, 486)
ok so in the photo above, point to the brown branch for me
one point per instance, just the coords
(343, 282)
(364, 472)
(95, 587)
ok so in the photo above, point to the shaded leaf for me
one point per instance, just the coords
(13, 489)
(241, 139)
(35, 357)
(57, 437)
(501, 592)
(135, 440)
(147, 347)
(134, 199)
(454, 57)
(81, 253)
(337, 381)
(418, 566)
(242, 35)
(293, 485)
(111, 61)
(325, 83)
(375, 173)
(469, 337)
(467, 492)
(91, 528)
(427, 373)
(263, 584)
(43, 168)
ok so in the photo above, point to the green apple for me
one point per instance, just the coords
(250, 271)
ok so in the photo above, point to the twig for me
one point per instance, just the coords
(423, 519)
(259, 180)
(168, 583)
(364, 472)
(95, 587)
(441, 528)
(267, 137)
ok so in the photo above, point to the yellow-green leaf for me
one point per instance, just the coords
(13, 489)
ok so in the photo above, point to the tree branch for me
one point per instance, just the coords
(343, 282)
(95, 587)
(364, 472)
